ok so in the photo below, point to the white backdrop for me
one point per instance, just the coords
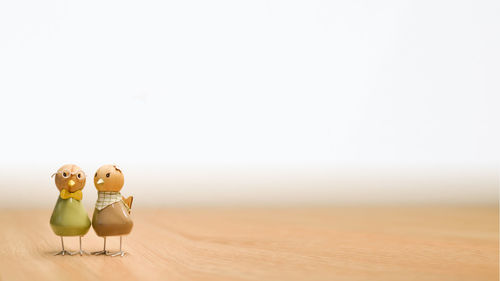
(254, 101)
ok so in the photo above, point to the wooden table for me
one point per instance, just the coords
(305, 243)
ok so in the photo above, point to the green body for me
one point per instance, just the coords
(69, 218)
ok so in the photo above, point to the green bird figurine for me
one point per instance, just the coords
(69, 217)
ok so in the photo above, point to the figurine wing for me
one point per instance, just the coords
(128, 201)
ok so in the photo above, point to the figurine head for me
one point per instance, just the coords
(109, 178)
(70, 177)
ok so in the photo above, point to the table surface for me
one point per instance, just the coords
(303, 243)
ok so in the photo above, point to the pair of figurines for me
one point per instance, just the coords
(111, 214)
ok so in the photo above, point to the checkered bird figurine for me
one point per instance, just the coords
(112, 211)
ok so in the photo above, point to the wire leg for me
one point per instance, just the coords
(120, 253)
(63, 252)
(81, 252)
(103, 252)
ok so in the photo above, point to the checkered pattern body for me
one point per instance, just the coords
(106, 198)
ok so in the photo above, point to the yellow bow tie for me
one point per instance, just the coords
(65, 194)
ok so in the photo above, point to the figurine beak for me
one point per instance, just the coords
(100, 181)
(71, 183)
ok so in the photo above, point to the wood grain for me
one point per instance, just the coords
(330, 243)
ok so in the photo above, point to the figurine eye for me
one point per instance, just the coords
(95, 175)
(79, 175)
(107, 175)
(65, 175)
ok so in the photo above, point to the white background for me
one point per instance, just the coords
(237, 102)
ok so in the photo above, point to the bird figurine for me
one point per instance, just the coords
(69, 217)
(112, 211)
